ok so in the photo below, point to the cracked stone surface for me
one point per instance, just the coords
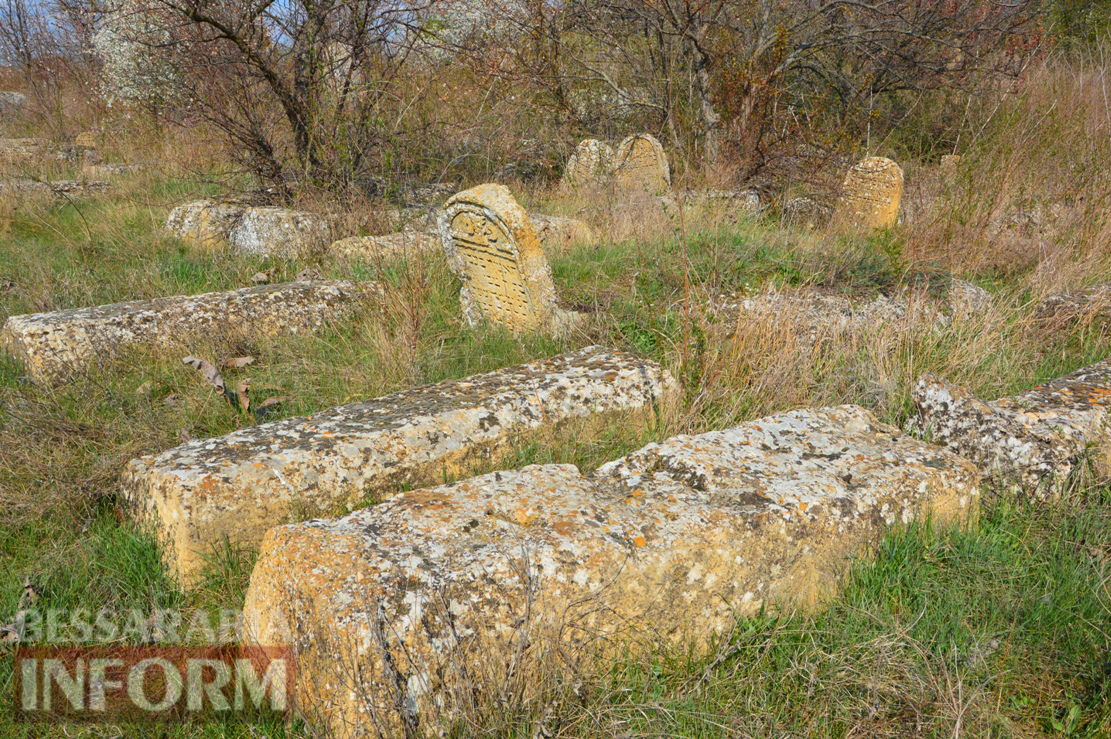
(1026, 445)
(241, 484)
(399, 612)
(55, 345)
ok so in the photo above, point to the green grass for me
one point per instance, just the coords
(1006, 619)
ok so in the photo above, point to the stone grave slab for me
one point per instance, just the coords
(279, 232)
(870, 196)
(1029, 444)
(55, 345)
(399, 614)
(241, 484)
(204, 222)
(493, 249)
(641, 165)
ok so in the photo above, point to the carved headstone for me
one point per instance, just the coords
(590, 165)
(641, 165)
(870, 195)
(492, 247)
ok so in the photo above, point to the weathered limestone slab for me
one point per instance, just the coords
(389, 246)
(870, 195)
(641, 165)
(57, 187)
(806, 212)
(279, 232)
(492, 247)
(1026, 445)
(1090, 305)
(401, 613)
(241, 484)
(556, 233)
(55, 345)
(204, 222)
(591, 165)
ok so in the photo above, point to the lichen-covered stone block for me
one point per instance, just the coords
(641, 166)
(1027, 445)
(492, 247)
(239, 485)
(279, 232)
(204, 222)
(55, 345)
(389, 246)
(870, 196)
(591, 165)
(400, 614)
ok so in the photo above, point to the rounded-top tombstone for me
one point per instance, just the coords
(641, 165)
(870, 195)
(590, 165)
(493, 249)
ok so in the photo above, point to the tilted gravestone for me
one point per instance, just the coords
(492, 247)
(591, 165)
(870, 196)
(641, 165)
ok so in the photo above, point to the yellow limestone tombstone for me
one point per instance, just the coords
(492, 247)
(641, 165)
(870, 196)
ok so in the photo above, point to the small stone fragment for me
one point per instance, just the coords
(806, 212)
(967, 300)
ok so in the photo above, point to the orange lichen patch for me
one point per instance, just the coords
(524, 518)
(640, 541)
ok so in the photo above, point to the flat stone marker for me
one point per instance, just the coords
(241, 484)
(400, 614)
(1029, 444)
(492, 247)
(55, 345)
(590, 166)
(204, 222)
(870, 196)
(641, 165)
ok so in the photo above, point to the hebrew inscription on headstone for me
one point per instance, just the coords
(870, 195)
(492, 247)
(642, 165)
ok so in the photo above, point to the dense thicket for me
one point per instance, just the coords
(353, 95)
